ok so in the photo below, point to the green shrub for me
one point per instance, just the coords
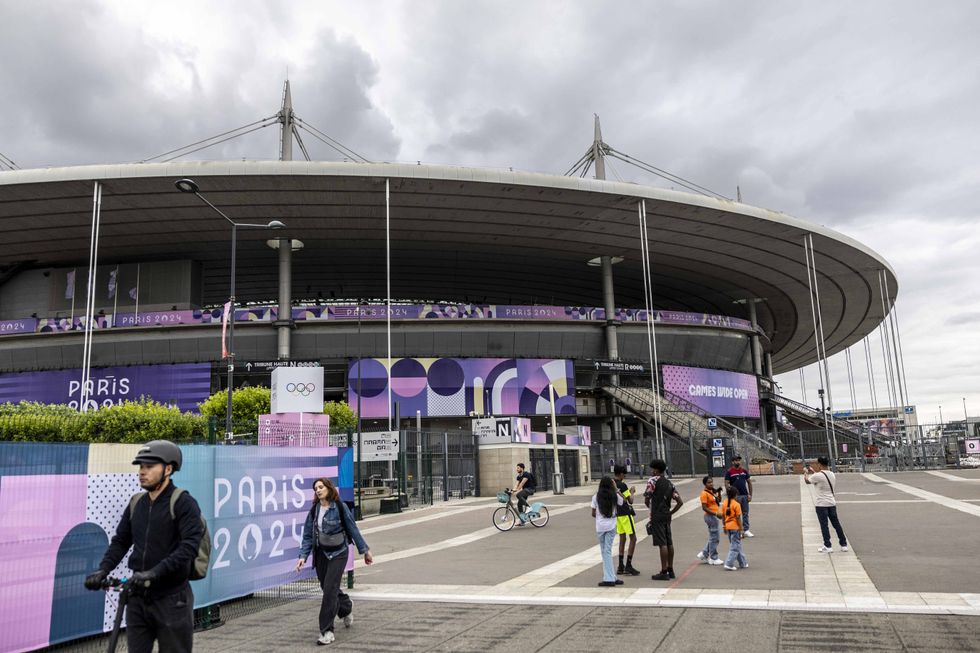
(129, 421)
(246, 404)
(140, 421)
(341, 416)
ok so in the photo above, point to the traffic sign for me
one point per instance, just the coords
(712, 423)
(717, 443)
(268, 366)
(377, 446)
(618, 367)
(909, 410)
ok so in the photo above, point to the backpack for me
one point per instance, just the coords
(200, 564)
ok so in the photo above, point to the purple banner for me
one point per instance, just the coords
(726, 394)
(184, 386)
(162, 318)
(443, 387)
(48, 324)
(374, 312)
(28, 325)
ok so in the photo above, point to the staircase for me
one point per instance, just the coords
(679, 417)
(851, 432)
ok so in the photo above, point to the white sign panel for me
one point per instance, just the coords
(491, 431)
(297, 390)
(972, 446)
(377, 446)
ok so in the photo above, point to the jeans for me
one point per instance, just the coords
(522, 499)
(605, 547)
(330, 573)
(710, 549)
(743, 500)
(167, 619)
(830, 512)
(735, 550)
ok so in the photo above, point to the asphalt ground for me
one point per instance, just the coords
(446, 580)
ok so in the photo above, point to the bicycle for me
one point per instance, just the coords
(506, 516)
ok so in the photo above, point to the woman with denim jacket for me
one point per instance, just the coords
(328, 529)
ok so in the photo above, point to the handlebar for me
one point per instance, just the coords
(123, 583)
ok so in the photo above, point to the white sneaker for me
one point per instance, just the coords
(745, 566)
(326, 638)
(701, 555)
(727, 568)
(349, 620)
(749, 534)
(716, 561)
(845, 548)
(826, 549)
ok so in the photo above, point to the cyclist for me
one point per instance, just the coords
(163, 549)
(524, 486)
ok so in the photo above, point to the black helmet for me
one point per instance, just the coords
(159, 451)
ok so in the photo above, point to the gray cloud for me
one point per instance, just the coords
(826, 111)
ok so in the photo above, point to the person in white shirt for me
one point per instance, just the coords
(824, 481)
(604, 503)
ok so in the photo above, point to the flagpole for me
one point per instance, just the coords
(71, 319)
(115, 297)
(136, 319)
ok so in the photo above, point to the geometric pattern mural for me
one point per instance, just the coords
(455, 387)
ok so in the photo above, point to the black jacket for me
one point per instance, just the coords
(161, 544)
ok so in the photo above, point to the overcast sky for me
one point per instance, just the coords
(859, 116)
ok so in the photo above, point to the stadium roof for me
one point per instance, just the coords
(457, 234)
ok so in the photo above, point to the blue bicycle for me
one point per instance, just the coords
(506, 516)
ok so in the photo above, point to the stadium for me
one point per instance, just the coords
(497, 284)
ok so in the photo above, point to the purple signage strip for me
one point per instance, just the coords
(372, 312)
(28, 325)
(726, 394)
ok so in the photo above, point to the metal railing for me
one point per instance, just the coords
(854, 429)
(691, 413)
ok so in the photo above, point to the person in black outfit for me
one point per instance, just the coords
(524, 487)
(164, 549)
(658, 496)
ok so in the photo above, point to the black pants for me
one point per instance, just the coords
(335, 603)
(830, 512)
(168, 619)
(522, 499)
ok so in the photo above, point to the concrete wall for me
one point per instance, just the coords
(498, 464)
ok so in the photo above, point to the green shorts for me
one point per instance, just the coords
(625, 525)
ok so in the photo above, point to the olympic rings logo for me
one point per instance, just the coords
(300, 389)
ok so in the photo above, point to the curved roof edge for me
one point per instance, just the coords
(108, 172)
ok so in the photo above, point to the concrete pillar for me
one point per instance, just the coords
(284, 324)
(612, 344)
(757, 365)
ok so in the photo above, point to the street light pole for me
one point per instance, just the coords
(229, 429)
(966, 421)
(190, 186)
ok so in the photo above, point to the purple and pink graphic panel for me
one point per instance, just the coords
(183, 385)
(61, 503)
(455, 387)
(294, 430)
(726, 394)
